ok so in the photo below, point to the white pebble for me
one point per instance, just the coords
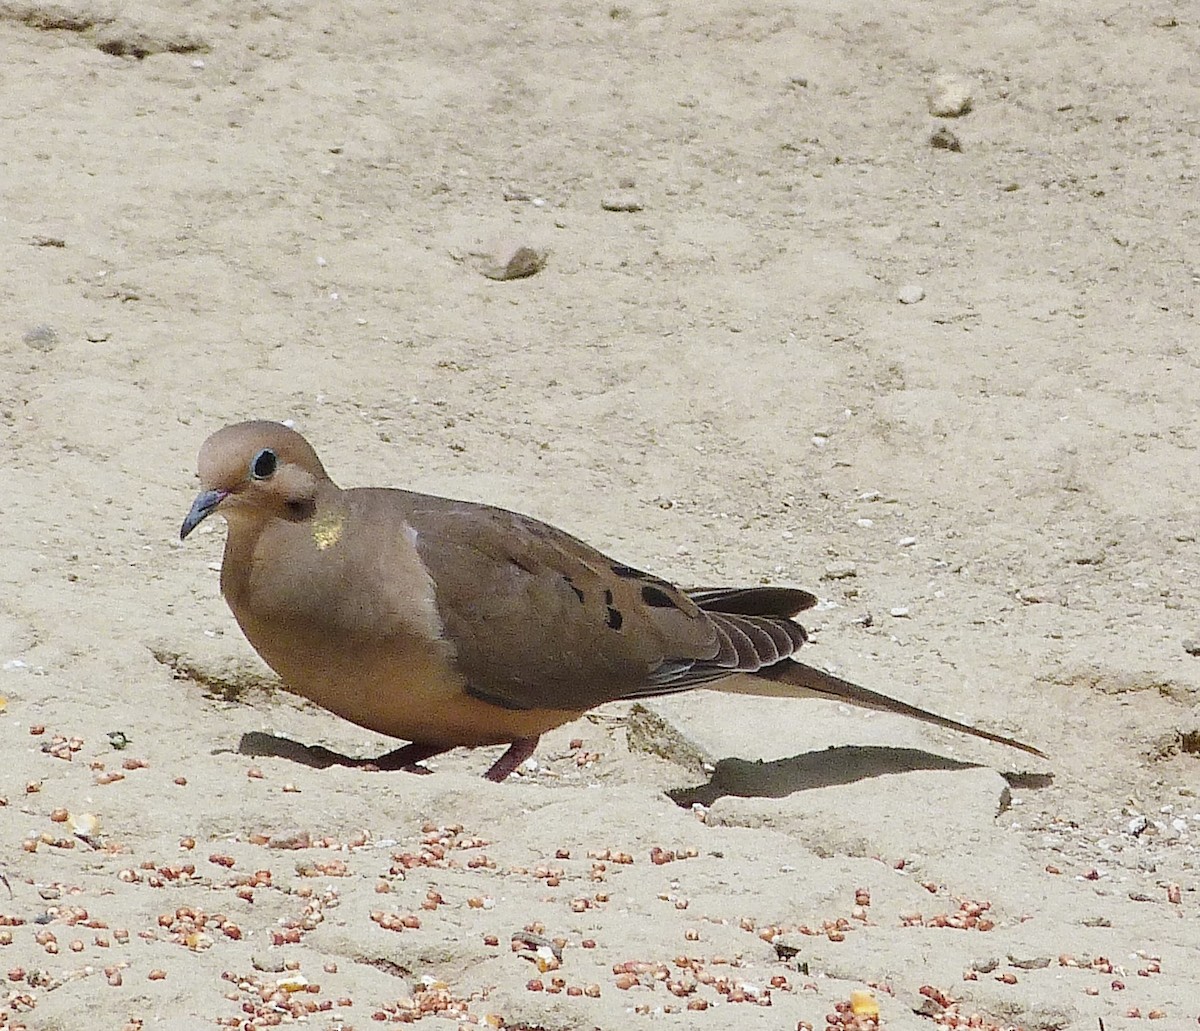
(949, 97)
(899, 612)
(910, 293)
(906, 542)
(866, 524)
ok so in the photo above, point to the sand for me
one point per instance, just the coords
(778, 336)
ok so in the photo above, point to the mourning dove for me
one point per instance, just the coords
(447, 623)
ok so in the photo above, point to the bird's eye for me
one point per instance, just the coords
(263, 466)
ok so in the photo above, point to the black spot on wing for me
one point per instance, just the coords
(578, 592)
(657, 598)
(626, 572)
(614, 619)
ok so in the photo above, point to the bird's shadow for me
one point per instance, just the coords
(741, 778)
(843, 764)
(272, 746)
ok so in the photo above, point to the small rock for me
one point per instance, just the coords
(1032, 963)
(290, 839)
(899, 612)
(949, 97)
(943, 139)
(621, 202)
(839, 571)
(268, 964)
(519, 262)
(910, 293)
(42, 337)
(1039, 596)
(95, 335)
(798, 82)
(906, 542)
(1137, 826)
(1192, 645)
(985, 966)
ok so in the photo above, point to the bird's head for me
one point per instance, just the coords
(256, 471)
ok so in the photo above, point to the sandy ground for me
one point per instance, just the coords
(219, 211)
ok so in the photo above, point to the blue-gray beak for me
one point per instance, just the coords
(205, 504)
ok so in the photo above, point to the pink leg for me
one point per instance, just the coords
(517, 753)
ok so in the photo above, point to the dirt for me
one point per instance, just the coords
(774, 332)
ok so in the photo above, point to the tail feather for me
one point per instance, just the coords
(783, 602)
(791, 679)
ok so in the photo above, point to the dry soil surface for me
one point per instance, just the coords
(953, 388)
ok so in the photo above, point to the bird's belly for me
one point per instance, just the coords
(407, 690)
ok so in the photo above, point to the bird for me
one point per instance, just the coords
(446, 623)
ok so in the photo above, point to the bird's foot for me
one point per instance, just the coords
(517, 753)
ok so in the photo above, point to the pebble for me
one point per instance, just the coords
(512, 262)
(1192, 645)
(1039, 596)
(906, 542)
(1137, 825)
(899, 612)
(910, 293)
(943, 139)
(949, 97)
(1032, 963)
(866, 524)
(621, 202)
(295, 839)
(42, 337)
(95, 335)
(839, 571)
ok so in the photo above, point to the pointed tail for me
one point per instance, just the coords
(791, 679)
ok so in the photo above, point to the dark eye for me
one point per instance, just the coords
(263, 466)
